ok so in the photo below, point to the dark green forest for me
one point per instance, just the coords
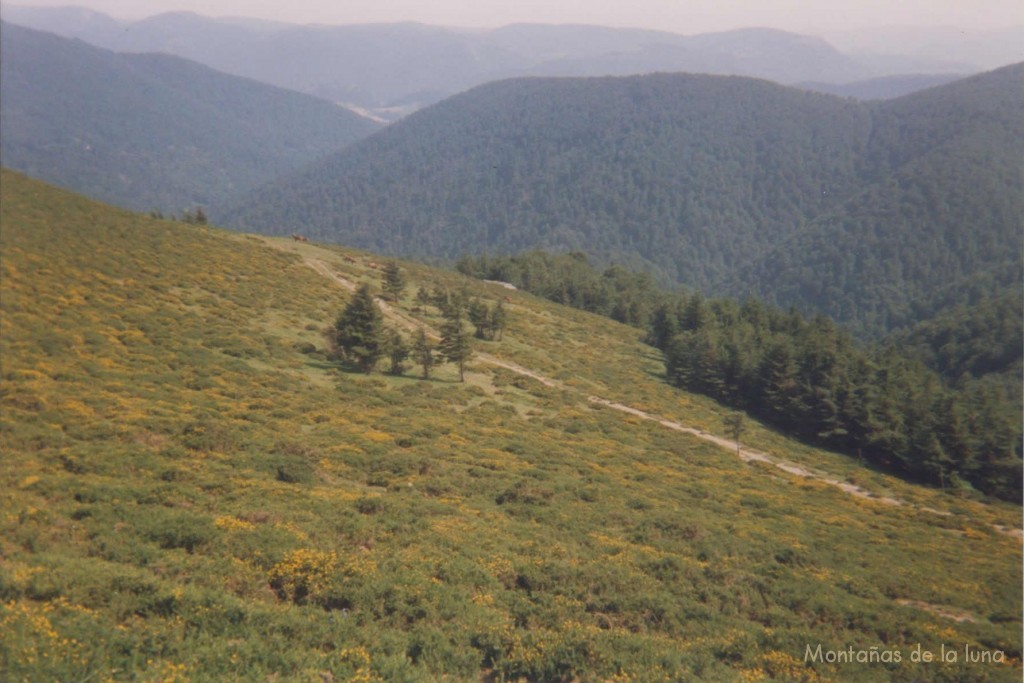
(148, 131)
(728, 185)
(938, 403)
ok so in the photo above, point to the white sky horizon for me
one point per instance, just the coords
(677, 16)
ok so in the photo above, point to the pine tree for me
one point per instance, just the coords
(498, 319)
(480, 317)
(454, 346)
(397, 351)
(423, 352)
(358, 334)
(664, 325)
(393, 281)
(777, 385)
(441, 298)
(735, 425)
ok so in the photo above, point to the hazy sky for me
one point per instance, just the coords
(681, 16)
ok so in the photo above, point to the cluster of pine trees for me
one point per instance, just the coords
(809, 379)
(571, 280)
(940, 404)
(360, 338)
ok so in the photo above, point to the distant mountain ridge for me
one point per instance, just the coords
(392, 69)
(149, 131)
(883, 88)
(727, 184)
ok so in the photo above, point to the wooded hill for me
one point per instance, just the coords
(728, 185)
(194, 490)
(150, 131)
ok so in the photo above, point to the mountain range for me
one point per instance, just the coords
(730, 185)
(388, 70)
(151, 131)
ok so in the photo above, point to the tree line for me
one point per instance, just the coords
(887, 404)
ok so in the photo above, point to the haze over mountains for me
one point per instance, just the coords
(726, 184)
(392, 69)
(153, 131)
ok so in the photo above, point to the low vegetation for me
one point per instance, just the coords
(194, 490)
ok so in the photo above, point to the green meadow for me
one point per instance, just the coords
(194, 491)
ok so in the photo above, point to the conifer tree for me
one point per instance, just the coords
(480, 317)
(454, 346)
(397, 351)
(393, 281)
(441, 298)
(735, 426)
(423, 352)
(358, 334)
(498, 319)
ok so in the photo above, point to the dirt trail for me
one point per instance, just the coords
(745, 454)
(325, 270)
(940, 610)
(518, 369)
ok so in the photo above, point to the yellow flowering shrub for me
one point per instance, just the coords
(303, 575)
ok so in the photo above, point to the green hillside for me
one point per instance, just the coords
(194, 491)
(151, 131)
(728, 185)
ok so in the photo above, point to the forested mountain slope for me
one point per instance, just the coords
(686, 173)
(971, 340)
(153, 131)
(194, 490)
(729, 185)
(945, 206)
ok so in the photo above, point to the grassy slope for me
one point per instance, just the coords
(190, 497)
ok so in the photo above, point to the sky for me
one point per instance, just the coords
(679, 16)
